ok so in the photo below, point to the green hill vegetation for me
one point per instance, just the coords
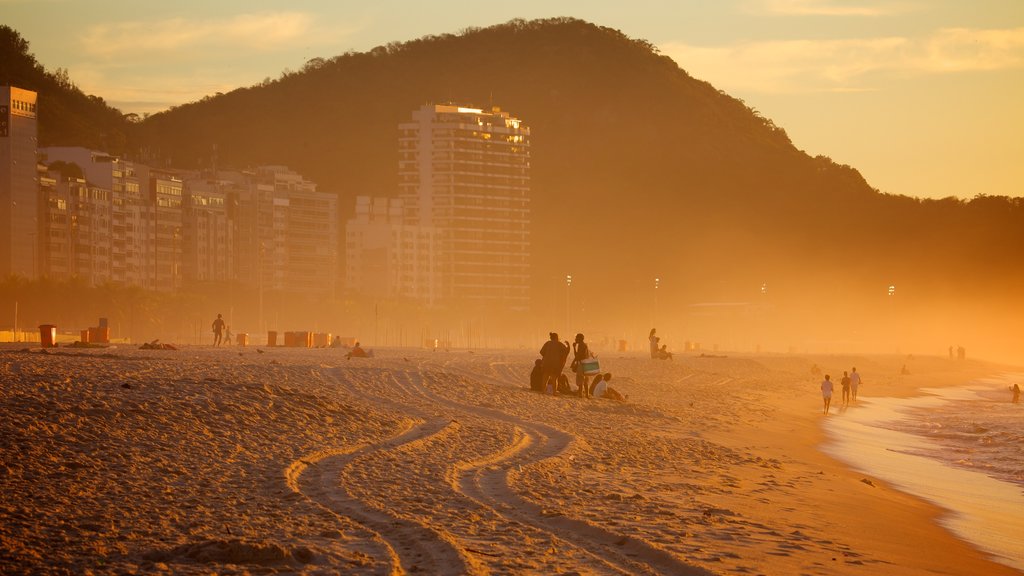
(639, 171)
(71, 117)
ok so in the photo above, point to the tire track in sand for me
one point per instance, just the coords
(406, 545)
(486, 481)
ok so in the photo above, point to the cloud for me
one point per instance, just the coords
(176, 35)
(850, 64)
(826, 8)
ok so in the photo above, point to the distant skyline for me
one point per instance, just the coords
(921, 96)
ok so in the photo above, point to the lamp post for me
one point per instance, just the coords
(657, 282)
(568, 284)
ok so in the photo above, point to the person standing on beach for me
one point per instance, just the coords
(218, 330)
(580, 353)
(845, 383)
(826, 391)
(854, 384)
(654, 343)
(553, 354)
(1016, 393)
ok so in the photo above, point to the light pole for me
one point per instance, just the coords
(568, 284)
(657, 282)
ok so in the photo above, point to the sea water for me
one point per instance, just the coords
(959, 448)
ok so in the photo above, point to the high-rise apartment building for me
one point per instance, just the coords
(20, 239)
(464, 175)
(131, 222)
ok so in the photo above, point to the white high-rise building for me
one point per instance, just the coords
(20, 239)
(464, 177)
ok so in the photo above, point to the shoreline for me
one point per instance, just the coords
(234, 459)
(979, 508)
(908, 532)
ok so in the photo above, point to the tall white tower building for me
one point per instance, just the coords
(19, 184)
(464, 175)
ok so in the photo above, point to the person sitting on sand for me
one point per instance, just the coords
(599, 388)
(563, 385)
(663, 353)
(356, 352)
(537, 376)
(826, 391)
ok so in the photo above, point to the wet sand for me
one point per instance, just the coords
(234, 460)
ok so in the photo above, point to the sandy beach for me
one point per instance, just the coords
(255, 460)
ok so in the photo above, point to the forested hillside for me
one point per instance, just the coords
(68, 117)
(637, 166)
(639, 171)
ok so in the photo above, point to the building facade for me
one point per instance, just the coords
(464, 191)
(465, 173)
(20, 216)
(110, 220)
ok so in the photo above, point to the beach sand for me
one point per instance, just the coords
(246, 460)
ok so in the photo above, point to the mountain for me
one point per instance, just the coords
(632, 157)
(68, 116)
(639, 171)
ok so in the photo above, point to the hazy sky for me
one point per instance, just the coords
(924, 97)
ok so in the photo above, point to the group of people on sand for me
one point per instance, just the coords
(849, 384)
(658, 351)
(548, 375)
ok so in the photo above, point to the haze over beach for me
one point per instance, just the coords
(275, 281)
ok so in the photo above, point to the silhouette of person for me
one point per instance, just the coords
(218, 330)
(537, 376)
(1016, 394)
(854, 383)
(845, 383)
(580, 353)
(826, 392)
(356, 352)
(553, 354)
(654, 343)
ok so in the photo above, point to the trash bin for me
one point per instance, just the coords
(47, 335)
(242, 339)
(85, 336)
(272, 338)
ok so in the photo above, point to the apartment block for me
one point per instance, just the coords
(464, 196)
(20, 240)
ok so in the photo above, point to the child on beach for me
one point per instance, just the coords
(826, 391)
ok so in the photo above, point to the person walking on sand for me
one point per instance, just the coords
(826, 392)
(553, 354)
(218, 330)
(580, 353)
(845, 383)
(854, 384)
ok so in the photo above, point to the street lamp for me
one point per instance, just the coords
(892, 289)
(568, 284)
(657, 281)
